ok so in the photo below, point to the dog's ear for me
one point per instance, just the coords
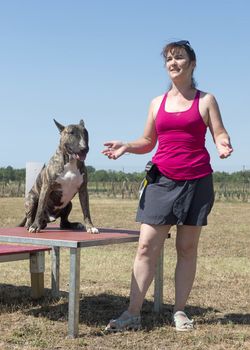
(82, 123)
(59, 126)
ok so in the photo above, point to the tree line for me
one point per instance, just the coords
(9, 174)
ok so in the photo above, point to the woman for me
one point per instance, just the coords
(182, 191)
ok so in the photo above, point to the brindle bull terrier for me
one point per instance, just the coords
(59, 181)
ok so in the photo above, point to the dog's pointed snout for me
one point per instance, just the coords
(83, 144)
(84, 149)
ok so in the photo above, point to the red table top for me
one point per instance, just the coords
(53, 236)
(7, 249)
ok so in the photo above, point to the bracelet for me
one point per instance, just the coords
(127, 144)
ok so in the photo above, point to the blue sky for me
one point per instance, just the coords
(99, 60)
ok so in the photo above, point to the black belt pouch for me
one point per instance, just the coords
(151, 172)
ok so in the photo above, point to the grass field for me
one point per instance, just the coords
(219, 302)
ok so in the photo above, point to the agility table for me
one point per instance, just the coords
(75, 241)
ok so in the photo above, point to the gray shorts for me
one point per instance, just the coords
(171, 202)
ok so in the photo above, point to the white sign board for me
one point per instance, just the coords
(32, 170)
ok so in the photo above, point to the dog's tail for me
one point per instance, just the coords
(22, 223)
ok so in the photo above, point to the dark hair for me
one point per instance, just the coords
(184, 44)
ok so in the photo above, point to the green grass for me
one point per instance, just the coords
(219, 302)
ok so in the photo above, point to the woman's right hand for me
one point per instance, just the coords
(114, 149)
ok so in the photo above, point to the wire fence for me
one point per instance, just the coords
(130, 190)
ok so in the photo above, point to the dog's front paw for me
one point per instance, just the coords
(34, 228)
(93, 230)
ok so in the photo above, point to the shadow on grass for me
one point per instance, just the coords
(97, 310)
(13, 297)
(243, 319)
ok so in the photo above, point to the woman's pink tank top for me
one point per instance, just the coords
(181, 153)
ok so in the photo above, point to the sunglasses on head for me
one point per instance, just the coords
(183, 42)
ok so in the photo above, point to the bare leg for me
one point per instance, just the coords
(186, 245)
(151, 240)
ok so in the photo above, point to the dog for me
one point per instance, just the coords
(59, 181)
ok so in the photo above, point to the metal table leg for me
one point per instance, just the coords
(158, 287)
(55, 271)
(74, 286)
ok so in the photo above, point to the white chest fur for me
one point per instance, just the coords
(70, 181)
